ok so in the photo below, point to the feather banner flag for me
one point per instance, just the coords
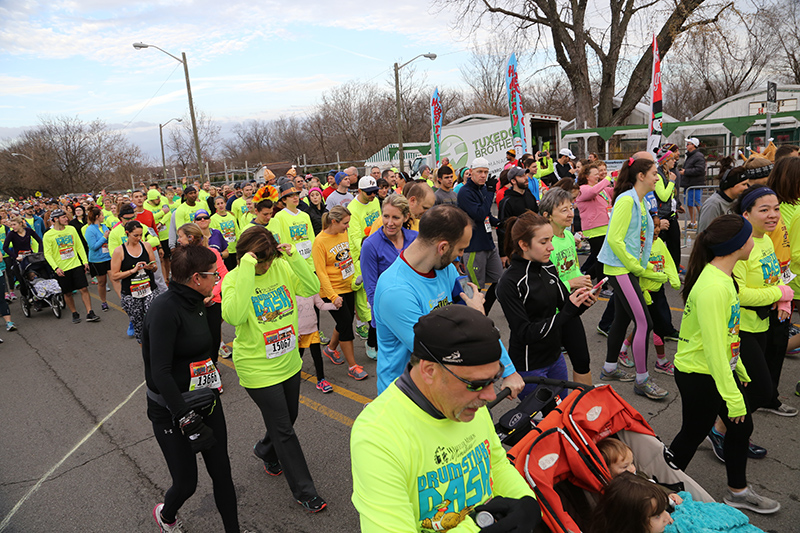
(515, 107)
(654, 133)
(436, 124)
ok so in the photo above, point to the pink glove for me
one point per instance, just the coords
(785, 306)
(787, 293)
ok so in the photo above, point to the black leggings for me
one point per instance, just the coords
(214, 318)
(279, 405)
(573, 338)
(672, 238)
(182, 464)
(762, 355)
(344, 316)
(372, 337)
(629, 305)
(592, 266)
(701, 405)
(316, 355)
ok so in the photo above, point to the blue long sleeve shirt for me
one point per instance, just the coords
(401, 297)
(98, 244)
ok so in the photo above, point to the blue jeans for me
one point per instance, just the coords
(557, 370)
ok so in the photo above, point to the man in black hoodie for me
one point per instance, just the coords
(517, 200)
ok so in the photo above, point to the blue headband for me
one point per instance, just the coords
(735, 242)
(751, 195)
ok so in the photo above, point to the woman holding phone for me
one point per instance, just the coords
(133, 264)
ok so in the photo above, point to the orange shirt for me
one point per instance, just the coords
(333, 264)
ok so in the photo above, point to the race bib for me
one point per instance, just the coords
(347, 268)
(279, 342)
(140, 285)
(734, 354)
(487, 225)
(67, 253)
(228, 234)
(204, 375)
(303, 248)
(104, 248)
(151, 231)
(787, 276)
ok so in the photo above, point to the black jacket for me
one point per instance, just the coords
(536, 304)
(513, 204)
(694, 170)
(315, 215)
(175, 334)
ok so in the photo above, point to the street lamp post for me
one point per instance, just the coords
(397, 68)
(161, 138)
(139, 46)
(17, 154)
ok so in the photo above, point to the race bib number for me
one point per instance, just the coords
(734, 355)
(140, 285)
(151, 231)
(347, 268)
(787, 276)
(279, 342)
(104, 248)
(66, 253)
(303, 248)
(487, 225)
(204, 375)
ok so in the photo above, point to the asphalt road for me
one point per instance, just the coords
(60, 472)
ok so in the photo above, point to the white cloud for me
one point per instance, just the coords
(23, 85)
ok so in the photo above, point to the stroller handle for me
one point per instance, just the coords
(539, 381)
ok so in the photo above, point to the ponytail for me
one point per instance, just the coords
(628, 175)
(721, 229)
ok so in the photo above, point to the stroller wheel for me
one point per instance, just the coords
(26, 306)
(61, 301)
(56, 305)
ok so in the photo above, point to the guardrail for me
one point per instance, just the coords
(706, 192)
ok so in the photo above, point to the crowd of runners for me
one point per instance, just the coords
(381, 251)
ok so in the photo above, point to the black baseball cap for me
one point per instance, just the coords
(457, 335)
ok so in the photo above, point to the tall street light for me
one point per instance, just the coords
(161, 137)
(139, 46)
(397, 101)
(16, 154)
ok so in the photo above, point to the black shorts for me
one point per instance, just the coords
(73, 279)
(99, 269)
(165, 247)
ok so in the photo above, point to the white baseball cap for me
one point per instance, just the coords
(693, 140)
(480, 162)
(368, 185)
(567, 152)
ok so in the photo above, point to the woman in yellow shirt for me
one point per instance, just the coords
(336, 272)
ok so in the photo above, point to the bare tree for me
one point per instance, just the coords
(582, 40)
(180, 142)
(252, 141)
(485, 74)
(785, 22)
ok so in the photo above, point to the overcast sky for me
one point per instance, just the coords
(246, 59)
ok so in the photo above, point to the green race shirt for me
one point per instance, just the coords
(709, 337)
(565, 257)
(228, 227)
(295, 228)
(361, 219)
(758, 279)
(263, 310)
(63, 249)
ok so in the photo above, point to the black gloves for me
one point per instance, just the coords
(200, 436)
(512, 516)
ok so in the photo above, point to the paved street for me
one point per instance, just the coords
(60, 380)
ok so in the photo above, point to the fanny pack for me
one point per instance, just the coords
(762, 311)
(201, 401)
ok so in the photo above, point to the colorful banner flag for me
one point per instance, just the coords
(654, 134)
(436, 124)
(515, 107)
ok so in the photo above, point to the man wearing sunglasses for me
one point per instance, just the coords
(433, 442)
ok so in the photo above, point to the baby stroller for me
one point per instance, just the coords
(560, 461)
(40, 287)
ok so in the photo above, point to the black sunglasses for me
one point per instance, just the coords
(476, 385)
(202, 218)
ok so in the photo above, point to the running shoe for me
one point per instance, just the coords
(225, 351)
(175, 527)
(751, 501)
(372, 353)
(322, 338)
(717, 442)
(76, 318)
(314, 505)
(334, 355)
(94, 281)
(665, 366)
(617, 375)
(793, 351)
(10, 326)
(8, 297)
(324, 386)
(12, 296)
(624, 360)
(681, 269)
(649, 388)
(131, 331)
(363, 331)
(357, 373)
(602, 332)
(673, 336)
(104, 306)
(273, 469)
(781, 410)
(91, 317)
(793, 330)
